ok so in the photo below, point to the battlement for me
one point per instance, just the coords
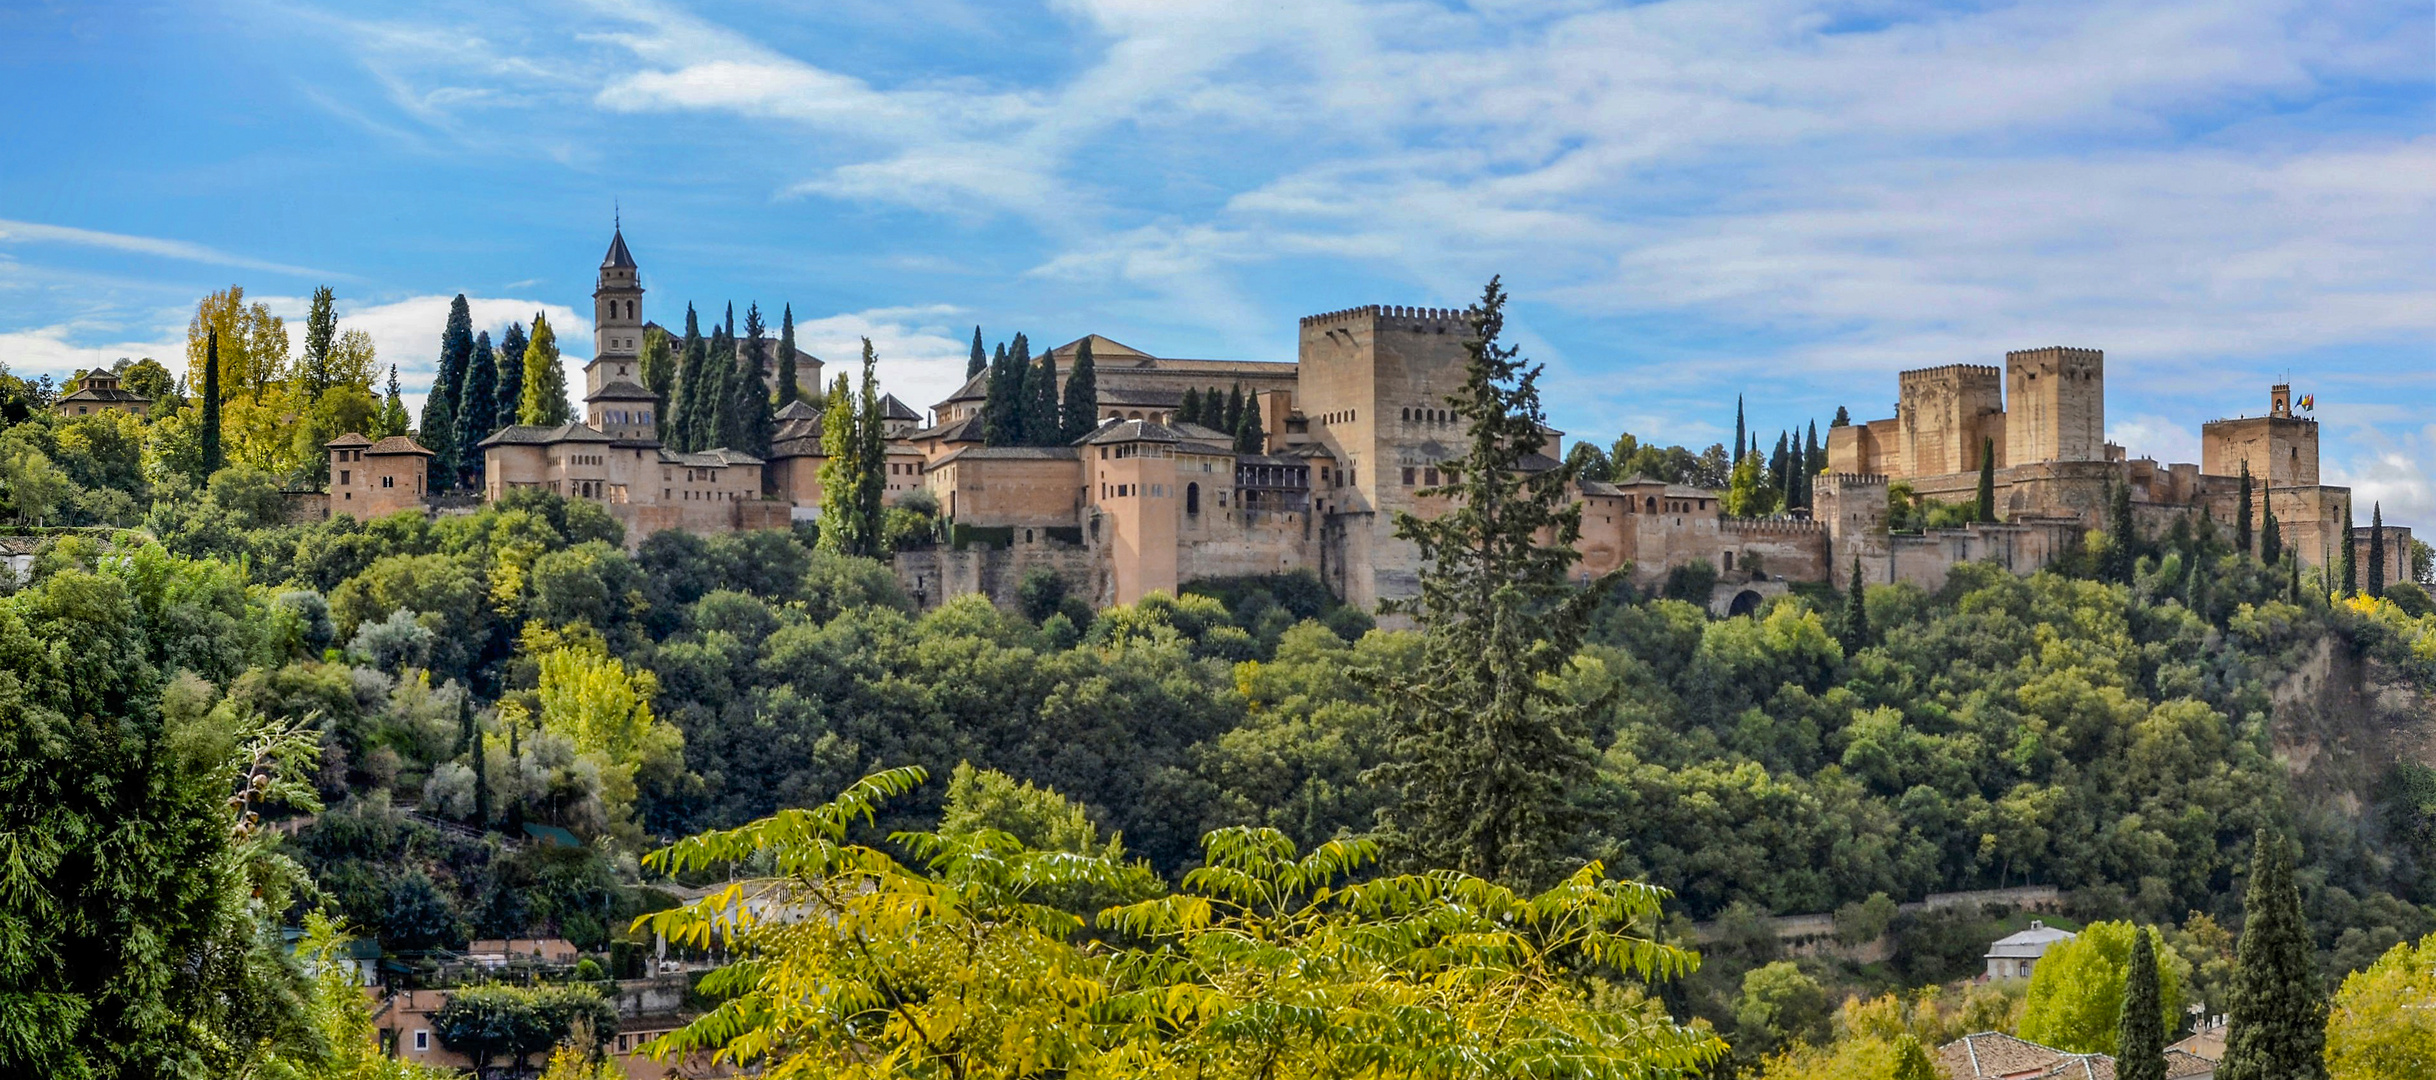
(1748, 526)
(1987, 371)
(2061, 352)
(1852, 480)
(1386, 311)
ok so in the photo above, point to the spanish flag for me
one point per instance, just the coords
(2309, 401)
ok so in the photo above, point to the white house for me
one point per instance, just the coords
(2014, 955)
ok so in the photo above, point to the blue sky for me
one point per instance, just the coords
(1781, 198)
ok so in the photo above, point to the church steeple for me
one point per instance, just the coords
(612, 394)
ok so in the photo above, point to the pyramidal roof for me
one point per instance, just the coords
(618, 257)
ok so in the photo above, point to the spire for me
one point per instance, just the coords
(618, 258)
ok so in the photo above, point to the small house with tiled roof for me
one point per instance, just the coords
(98, 391)
(370, 479)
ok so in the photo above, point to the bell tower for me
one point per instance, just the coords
(617, 319)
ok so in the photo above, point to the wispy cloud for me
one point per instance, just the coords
(27, 232)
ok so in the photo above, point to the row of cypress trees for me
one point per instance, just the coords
(1025, 405)
(712, 390)
(481, 388)
(2276, 1025)
(1236, 413)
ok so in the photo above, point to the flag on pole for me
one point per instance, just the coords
(2309, 401)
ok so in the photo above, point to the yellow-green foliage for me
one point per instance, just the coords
(2383, 1022)
(1269, 961)
(2076, 993)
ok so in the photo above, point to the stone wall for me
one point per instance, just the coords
(936, 576)
(2278, 449)
(1947, 413)
(2055, 405)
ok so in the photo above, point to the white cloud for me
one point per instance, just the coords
(921, 352)
(49, 350)
(407, 333)
(27, 232)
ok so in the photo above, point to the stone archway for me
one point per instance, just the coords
(1746, 602)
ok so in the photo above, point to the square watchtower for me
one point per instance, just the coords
(2055, 405)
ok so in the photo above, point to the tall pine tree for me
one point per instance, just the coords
(1040, 423)
(1484, 747)
(1190, 411)
(1249, 436)
(718, 385)
(2270, 540)
(871, 458)
(393, 409)
(438, 432)
(787, 390)
(456, 349)
(1856, 613)
(545, 379)
(1081, 409)
(2140, 1030)
(693, 382)
(841, 528)
(748, 409)
(474, 422)
(511, 376)
(2351, 570)
(1739, 436)
(980, 360)
(2276, 1027)
(2376, 547)
(211, 403)
(1234, 409)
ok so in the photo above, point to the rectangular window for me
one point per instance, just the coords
(347, 476)
(389, 481)
(1408, 476)
(422, 1040)
(1430, 477)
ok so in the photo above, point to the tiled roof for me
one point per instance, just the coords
(398, 444)
(799, 409)
(1007, 453)
(892, 409)
(976, 388)
(969, 429)
(2182, 1063)
(1990, 1055)
(621, 390)
(1117, 431)
(350, 439)
(104, 393)
(714, 458)
(534, 435)
(2031, 943)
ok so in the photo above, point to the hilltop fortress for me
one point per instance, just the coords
(1352, 430)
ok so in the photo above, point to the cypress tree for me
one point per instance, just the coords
(474, 421)
(1016, 420)
(1843, 418)
(2376, 547)
(2270, 541)
(2277, 1023)
(1779, 465)
(2241, 514)
(840, 477)
(1856, 613)
(438, 433)
(1738, 429)
(321, 332)
(693, 381)
(718, 380)
(1040, 424)
(393, 409)
(2140, 1031)
(1814, 461)
(1082, 406)
(980, 360)
(748, 410)
(2351, 570)
(1249, 436)
(2123, 556)
(545, 379)
(659, 377)
(1190, 411)
(1987, 478)
(1912, 1060)
(211, 402)
(511, 376)
(456, 349)
(1234, 409)
(786, 389)
(482, 781)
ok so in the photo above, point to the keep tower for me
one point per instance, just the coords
(615, 401)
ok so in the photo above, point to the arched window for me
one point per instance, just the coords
(1192, 499)
(1653, 504)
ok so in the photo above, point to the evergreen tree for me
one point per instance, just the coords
(2140, 1036)
(871, 459)
(1081, 410)
(1250, 437)
(711, 424)
(2351, 570)
(659, 377)
(2241, 513)
(787, 390)
(474, 422)
(1234, 410)
(2277, 1023)
(438, 432)
(545, 380)
(1040, 423)
(840, 479)
(748, 411)
(321, 332)
(1912, 1060)
(1856, 613)
(1843, 418)
(2123, 554)
(1002, 408)
(692, 383)
(456, 350)
(1190, 411)
(511, 376)
(211, 403)
(482, 781)
(2270, 541)
(1484, 747)
(1738, 429)
(1815, 462)
(980, 360)
(1987, 478)
(393, 409)
(2376, 547)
